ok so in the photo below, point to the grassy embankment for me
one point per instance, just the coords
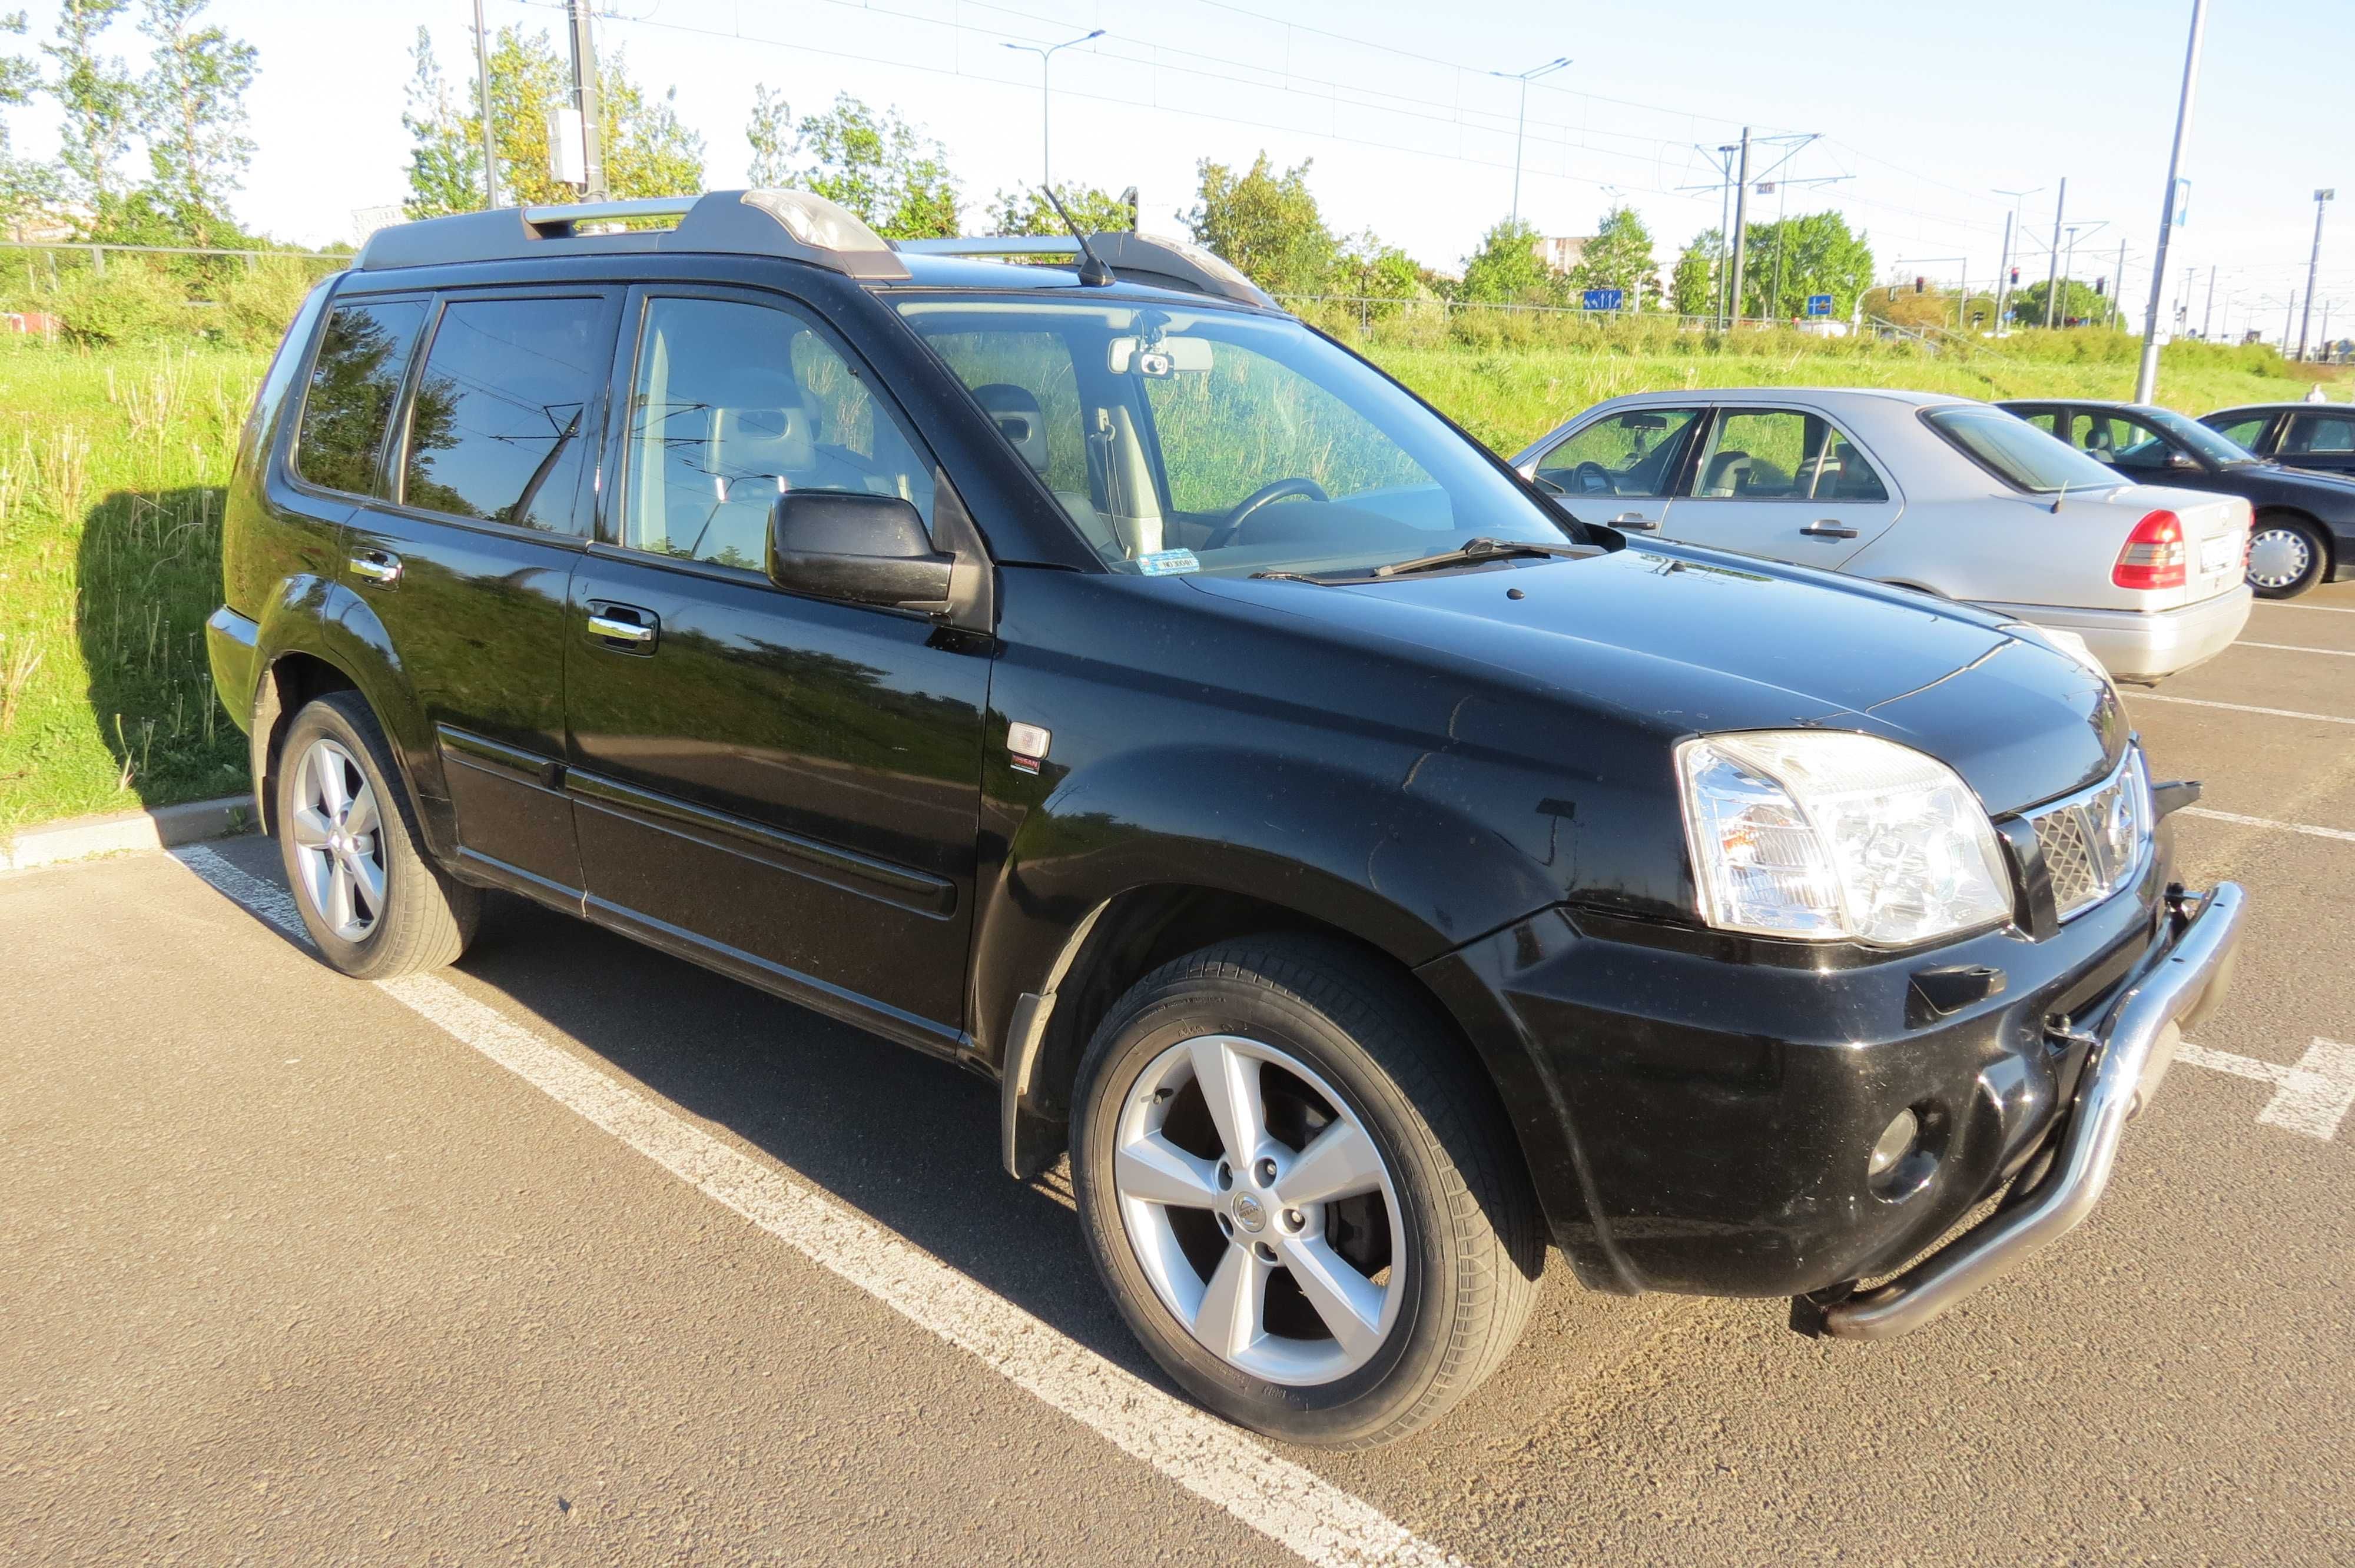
(111, 463)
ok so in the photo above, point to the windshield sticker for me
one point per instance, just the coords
(1167, 562)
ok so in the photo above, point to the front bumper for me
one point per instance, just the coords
(2148, 645)
(2178, 985)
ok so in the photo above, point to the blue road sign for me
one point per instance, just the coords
(1605, 299)
(1819, 305)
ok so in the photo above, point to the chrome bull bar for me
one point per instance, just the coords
(2182, 984)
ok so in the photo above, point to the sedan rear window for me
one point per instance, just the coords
(2016, 451)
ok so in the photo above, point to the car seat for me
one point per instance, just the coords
(1015, 412)
(763, 442)
(1728, 472)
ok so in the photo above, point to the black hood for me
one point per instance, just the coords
(1677, 641)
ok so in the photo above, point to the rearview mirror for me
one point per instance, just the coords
(862, 549)
(1167, 358)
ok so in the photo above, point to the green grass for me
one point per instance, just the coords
(113, 463)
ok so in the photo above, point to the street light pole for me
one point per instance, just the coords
(1740, 235)
(1047, 99)
(1521, 122)
(2052, 265)
(482, 97)
(585, 95)
(2313, 261)
(2146, 370)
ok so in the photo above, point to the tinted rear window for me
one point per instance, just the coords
(2016, 452)
(496, 429)
(354, 383)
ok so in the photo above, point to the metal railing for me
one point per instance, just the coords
(94, 253)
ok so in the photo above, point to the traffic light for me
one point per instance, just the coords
(1921, 285)
(2101, 288)
(2015, 277)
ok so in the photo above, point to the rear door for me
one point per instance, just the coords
(788, 786)
(466, 556)
(2321, 438)
(1623, 468)
(1785, 483)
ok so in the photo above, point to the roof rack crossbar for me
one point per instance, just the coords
(561, 218)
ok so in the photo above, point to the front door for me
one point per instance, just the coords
(1782, 483)
(1621, 469)
(786, 786)
(465, 555)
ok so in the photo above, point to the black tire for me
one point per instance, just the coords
(2305, 535)
(1474, 1246)
(427, 917)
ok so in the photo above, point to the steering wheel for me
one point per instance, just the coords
(1249, 505)
(1594, 479)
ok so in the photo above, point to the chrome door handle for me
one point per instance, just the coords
(378, 567)
(637, 633)
(1828, 528)
(1635, 523)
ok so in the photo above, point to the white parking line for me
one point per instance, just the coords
(2216, 816)
(2324, 608)
(2238, 707)
(2294, 648)
(1284, 1501)
(2311, 1097)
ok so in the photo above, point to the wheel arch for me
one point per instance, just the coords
(2282, 511)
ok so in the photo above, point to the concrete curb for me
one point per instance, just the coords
(158, 829)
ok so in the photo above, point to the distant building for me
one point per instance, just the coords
(1561, 252)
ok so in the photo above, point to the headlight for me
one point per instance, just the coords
(1825, 836)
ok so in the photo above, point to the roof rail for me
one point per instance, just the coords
(790, 224)
(1139, 257)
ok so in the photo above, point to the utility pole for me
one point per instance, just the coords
(1521, 123)
(2146, 371)
(2015, 226)
(2313, 260)
(1741, 225)
(1724, 230)
(2002, 271)
(483, 96)
(2118, 287)
(584, 97)
(1047, 99)
(2288, 316)
(2052, 266)
(2208, 315)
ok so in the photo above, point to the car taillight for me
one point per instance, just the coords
(2153, 557)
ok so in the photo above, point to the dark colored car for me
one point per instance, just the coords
(1096, 678)
(2304, 531)
(2318, 436)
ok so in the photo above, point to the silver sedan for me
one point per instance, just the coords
(1942, 494)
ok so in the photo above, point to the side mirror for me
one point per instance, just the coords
(2183, 461)
(862, 549)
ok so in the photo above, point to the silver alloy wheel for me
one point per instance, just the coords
(338, 840)
(2278, 557)
(1216, 1232)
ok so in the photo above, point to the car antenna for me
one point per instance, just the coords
(1093, 270)
(2059, 498)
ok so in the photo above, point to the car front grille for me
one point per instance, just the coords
(2094, 842)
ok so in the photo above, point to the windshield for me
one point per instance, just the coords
(2016, 451)
(1181, 441)
(2211, 447)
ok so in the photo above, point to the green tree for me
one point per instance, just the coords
(1814, 253)
(2078, 301)
(1692, 287)
(648, 149)
(882, 168)
(1370, 268)
(99, 100)
(1620, 257)
(1027, 211)
(445, 152)
(771, 132)
(27, 189)
(193, 103)
(1508, 269)
(1266, 225)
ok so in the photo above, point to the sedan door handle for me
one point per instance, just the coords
(1635, 523)
(638, 630)
(379, 566)
(1828, 528)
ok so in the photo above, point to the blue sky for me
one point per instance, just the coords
(1925, 109)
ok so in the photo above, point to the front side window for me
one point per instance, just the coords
(732, 406)
(1179, 439)
(2016, 451)
(495, 430)
(355, 381)
(2211, 447)
(1782, 454)
(1635, 453)
(2320, 433)
(2118, 440)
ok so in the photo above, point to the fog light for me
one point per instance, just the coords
(1896, 1142)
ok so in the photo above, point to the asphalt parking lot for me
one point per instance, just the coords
(580, 1253)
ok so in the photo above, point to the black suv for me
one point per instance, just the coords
(1087, 672)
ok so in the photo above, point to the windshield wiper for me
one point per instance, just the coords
(1472, 551)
